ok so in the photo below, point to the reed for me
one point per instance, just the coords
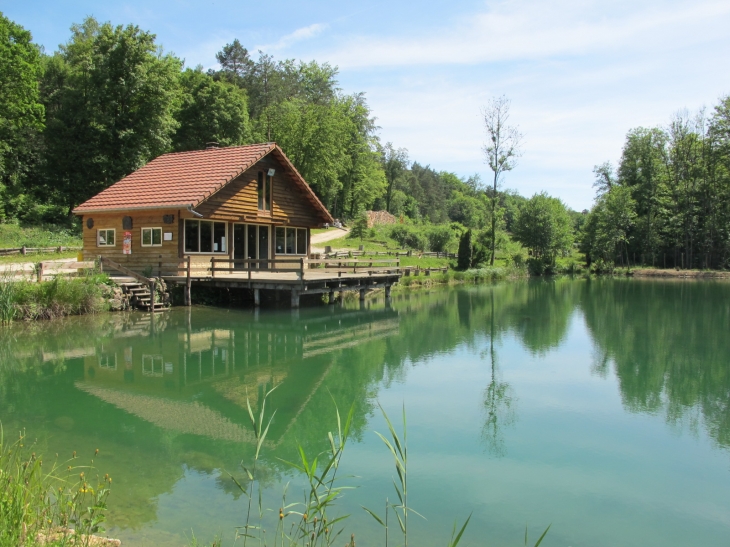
(55, 505)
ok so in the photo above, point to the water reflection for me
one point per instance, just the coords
(161, 395)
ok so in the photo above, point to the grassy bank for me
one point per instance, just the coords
(14, 235)
(23, 300)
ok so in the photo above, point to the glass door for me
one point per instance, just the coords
(263, 246)
(239, 244)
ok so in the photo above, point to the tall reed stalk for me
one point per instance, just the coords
(39, 505)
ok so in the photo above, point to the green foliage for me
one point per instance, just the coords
(360, 226)
(57, 502)
(465, 251)
(409, 237)
(41, 235)
(439, 237)
(110, 91)
(545, 227)
(210, 111)
(21, 112)
(56, 298)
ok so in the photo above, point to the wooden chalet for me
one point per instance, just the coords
(237, 216)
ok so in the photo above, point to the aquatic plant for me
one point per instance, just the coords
(7, 301)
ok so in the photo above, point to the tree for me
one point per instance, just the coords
(395, 163)
(465, 251)
(111, 98)
(21, 111)
(502, 150)
(360, 227)
(210, 111)
(236, 64)
(544, 226)
(605, 178)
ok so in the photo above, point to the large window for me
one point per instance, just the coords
(263, 191)
(205, 236)
(291, 241)
(151, 237)
(105, 238)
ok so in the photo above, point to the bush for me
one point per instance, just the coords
(409, 237)
(439, 237)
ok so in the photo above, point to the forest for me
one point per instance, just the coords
(110, 99)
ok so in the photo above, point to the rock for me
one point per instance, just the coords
(68, 537)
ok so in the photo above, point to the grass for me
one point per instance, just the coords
(37, 257)
(14, 236)
(50, 299)
(40, 504)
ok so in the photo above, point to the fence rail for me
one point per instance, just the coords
(396, 253)
(36, 250)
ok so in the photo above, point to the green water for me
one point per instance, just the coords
(598, 406)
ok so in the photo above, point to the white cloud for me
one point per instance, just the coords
(304, 33)
(539, 29)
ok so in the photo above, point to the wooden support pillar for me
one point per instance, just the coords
(256, 297)
(362, 295)
(331, 299)
(294, 298)
(187, 299)
(387, 291)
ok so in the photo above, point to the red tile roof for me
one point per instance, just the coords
(183, 179)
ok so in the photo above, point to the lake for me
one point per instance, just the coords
(598, 406)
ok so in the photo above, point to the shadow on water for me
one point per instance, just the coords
(168, 393)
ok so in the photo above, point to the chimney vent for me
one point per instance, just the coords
(211, 145)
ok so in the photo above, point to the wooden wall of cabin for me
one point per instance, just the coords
(238, 201)
(163, 259)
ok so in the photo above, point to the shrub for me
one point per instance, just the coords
(439, 237)
(408, 237)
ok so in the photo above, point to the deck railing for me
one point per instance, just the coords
(301, 265)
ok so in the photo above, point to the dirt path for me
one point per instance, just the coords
(323, 237)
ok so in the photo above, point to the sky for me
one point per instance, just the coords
(579, 73)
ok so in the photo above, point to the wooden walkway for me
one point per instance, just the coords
(296, 276)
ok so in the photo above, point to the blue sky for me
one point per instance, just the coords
(579, 74)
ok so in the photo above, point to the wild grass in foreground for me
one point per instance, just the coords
(57, 504)
(316, 521)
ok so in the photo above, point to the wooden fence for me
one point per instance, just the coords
(397, 253)
(36, 250)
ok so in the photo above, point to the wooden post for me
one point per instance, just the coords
(188, 283)
(256, 297)
(212, 266)
(362, 295)
(294, 298)
(332, 296)
(40, 272)
(387, 292)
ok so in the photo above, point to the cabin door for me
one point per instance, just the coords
(239, 245)
(251, 241)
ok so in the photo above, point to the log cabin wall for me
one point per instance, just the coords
(164, 259)
(238, 201)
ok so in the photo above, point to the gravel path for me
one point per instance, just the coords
(323, 237)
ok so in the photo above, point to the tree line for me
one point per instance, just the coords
(667, 203)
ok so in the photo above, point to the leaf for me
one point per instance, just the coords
(400, 521)
(455, 540)
(376, 517)
(539, 541)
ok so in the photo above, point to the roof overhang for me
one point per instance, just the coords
(122, 209)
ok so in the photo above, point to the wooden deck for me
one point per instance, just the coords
(296, 276)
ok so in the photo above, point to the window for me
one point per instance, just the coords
(105, 238)
(151, 237)
(263, 191)
(291, 241)
(205, 236)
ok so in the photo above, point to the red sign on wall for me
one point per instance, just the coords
(127, 243)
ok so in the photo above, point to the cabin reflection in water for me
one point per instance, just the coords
(197, 380)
